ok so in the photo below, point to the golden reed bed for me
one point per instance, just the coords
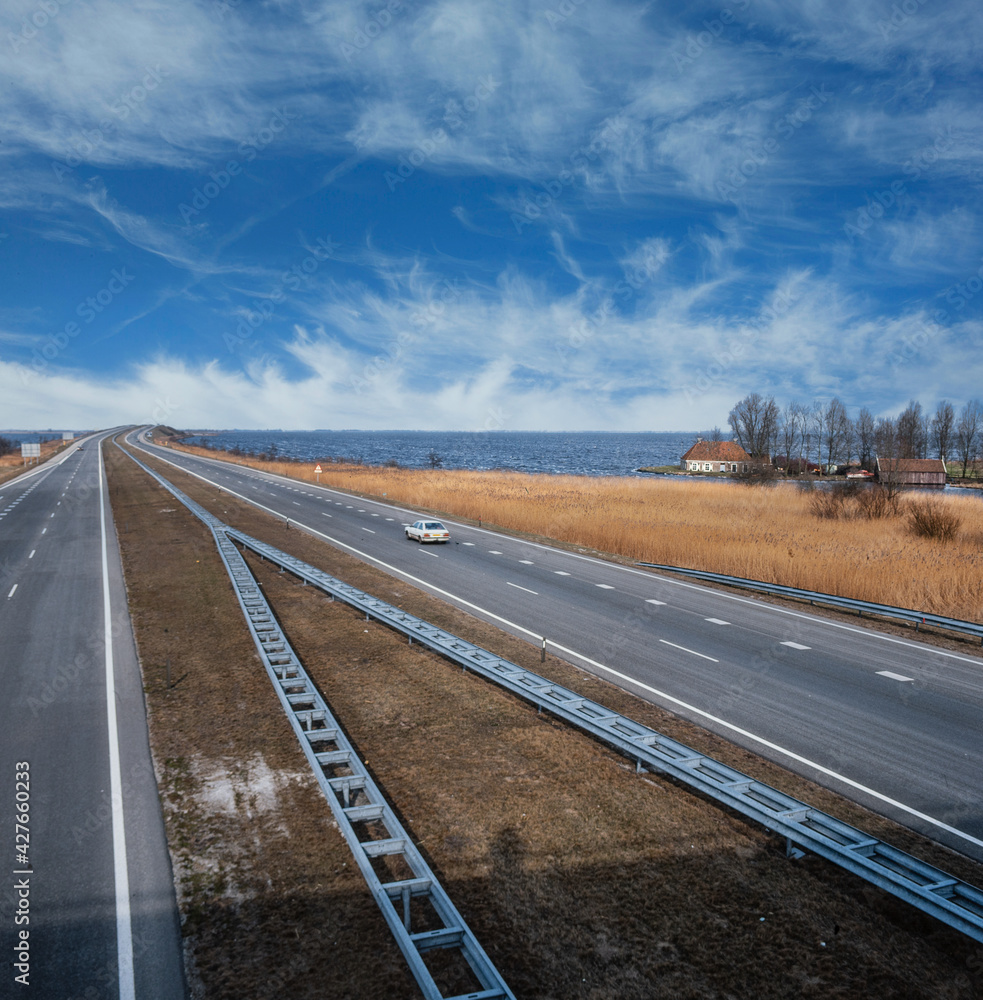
(756, 532)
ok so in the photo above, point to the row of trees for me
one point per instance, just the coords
(824, 433)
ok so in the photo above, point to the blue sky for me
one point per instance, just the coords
(489, 214)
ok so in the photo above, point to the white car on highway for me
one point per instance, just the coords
(427, 531)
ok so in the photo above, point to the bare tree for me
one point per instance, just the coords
(791, 430)
(968, 432)
(863, 430)
(887, 444)
(754, 421)
(943, 425)
(835, 428)
(910, 431)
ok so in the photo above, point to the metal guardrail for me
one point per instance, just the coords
(956, 903)
(932, 890)
(416, 907)
(817, 597)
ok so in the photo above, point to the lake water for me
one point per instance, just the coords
(582, 453)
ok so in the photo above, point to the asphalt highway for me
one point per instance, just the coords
(892, 724)
(91, 885)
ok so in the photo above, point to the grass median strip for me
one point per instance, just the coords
(579, 877)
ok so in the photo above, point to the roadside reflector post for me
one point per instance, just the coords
(542, 652)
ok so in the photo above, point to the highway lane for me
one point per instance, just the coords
(891, 723)
(101, 914)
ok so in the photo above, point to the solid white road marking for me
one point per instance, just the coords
(693, 651)
(526, 589)
(124, 931)
(796, 645)
(716, 621)
(652, 600)
(893, 676)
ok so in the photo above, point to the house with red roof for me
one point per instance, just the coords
(716, 456)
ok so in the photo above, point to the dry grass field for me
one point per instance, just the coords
(762, 533)
(13, 465)
(580, 877)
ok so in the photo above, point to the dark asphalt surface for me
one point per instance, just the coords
(893, 724)
(54, 717)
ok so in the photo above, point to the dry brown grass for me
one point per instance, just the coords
(762, 534)
(13, 465)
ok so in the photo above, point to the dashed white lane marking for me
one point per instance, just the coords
(471, 544)
(12, 589)
(31, 556)
(526, 589)
(296, 502)
(604, 586)
(44, 531)
(693, 651)
(893, 676)
(324, 513)
(494, 552)
(716, 621)
(391, 519)
(526, 562)
(561, 572)
(369, 530)
(52, 515)
(796, 645)
(426, 553)
(652, 600)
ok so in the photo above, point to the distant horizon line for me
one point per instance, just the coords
(397, 430)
